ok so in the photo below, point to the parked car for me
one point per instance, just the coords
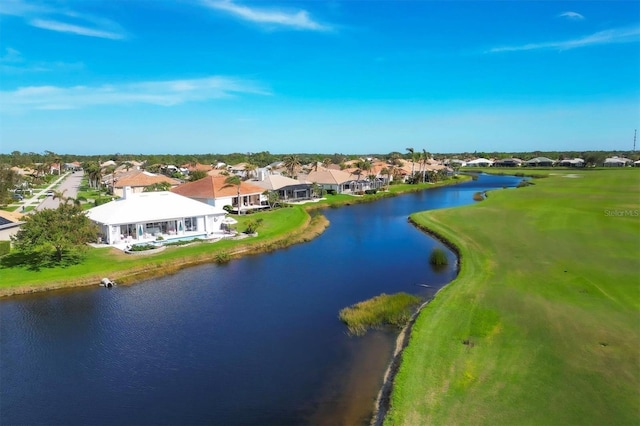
(18, 197)
(50, 193)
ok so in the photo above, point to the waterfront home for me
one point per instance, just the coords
(138, 180)
(508, 162)
(338, 181)
(151, 216)
(288, 189)
(576, 162)
(480, 162)
(636, 163)
(215, 191)
(616, 162)
(539, 162)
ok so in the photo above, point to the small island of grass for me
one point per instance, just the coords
(385, 309)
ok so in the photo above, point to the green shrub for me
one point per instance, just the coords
(438, 257)
(370, 191)
(223, 257)
(143, 247)
(5, 247)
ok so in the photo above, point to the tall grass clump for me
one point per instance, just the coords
(395, 309)
(478, 196)
(223, 257)
(438, 257)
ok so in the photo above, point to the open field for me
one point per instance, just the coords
(542, 325)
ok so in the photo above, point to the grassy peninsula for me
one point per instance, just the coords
(384, 309)
(542, 325)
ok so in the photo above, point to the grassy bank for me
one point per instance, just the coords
(385, 309)
(542, 325)
(280, 228)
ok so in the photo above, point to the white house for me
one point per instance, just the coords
(617, 162)
(479, 162)
(150, 216)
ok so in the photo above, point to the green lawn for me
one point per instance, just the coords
(109, 262)
(542, 326)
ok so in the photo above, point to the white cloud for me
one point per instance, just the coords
(62, 20)
(162, 93)
(12, 62)
(620, 35)
(74, 29)
(298, 20)
(572, 16)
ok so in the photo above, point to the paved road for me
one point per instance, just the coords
(69, 183)
(68, 186)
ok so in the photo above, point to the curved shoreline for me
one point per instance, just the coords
(383, 400)
(313, 227)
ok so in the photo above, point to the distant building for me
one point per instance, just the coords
(540, 162)
(576, 162)
(616, 162)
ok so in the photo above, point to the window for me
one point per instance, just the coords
(190, 224)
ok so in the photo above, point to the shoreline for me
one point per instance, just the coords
(314, 226)
(383, 400)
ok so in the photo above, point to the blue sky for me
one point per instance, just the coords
(357, 76)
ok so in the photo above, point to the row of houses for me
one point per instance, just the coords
(541, 162)
(196, 209)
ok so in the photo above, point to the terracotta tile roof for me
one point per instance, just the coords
(198, 166)
(215, 187)
(143, 179)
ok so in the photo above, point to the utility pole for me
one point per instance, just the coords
(635, 133)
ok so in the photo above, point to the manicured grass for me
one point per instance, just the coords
(280, 227)
(542, 325)
(385, 309)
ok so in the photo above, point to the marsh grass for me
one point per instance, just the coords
(395, 309)
(438, 257)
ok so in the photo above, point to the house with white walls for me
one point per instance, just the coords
(155, 216)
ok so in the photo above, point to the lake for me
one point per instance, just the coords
(255, 341)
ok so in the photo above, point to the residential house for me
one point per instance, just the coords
(479, 162)
(540, 162)
(137, 180)
(508, 162)
(617, 162)
(9, 224)
(288, 189)
(214, 191)
(150, 216)
(334, 180)
(576, 162)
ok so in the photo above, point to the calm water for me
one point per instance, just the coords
(256, 341)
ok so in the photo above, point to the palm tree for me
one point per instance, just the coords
(386, 172)
(250, 169)
(291, 163)
(411, 155)
(326, 162)
(234, 180)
